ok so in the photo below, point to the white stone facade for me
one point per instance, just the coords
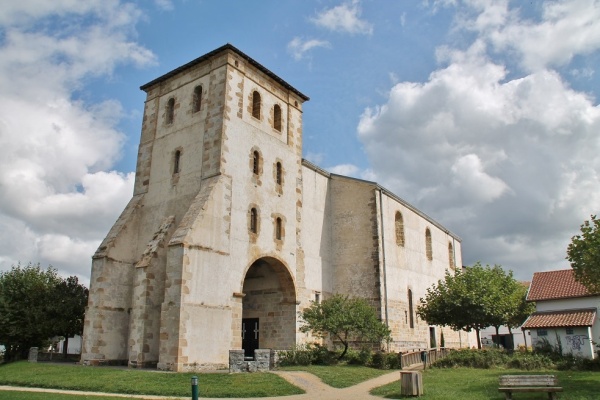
(230, 233)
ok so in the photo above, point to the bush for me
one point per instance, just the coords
(530, 361)
(298, 355)
(307, 355)
(380, 361)
(362, 357)
(320, 355)
(488, 358)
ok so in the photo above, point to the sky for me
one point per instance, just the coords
(483, 114)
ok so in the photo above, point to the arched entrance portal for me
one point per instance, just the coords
(268, 307)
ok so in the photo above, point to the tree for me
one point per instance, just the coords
(584, 255)
(32, 308)
(69, 308)
(471, 300)
(521, 308)
(345, 319)
(25, 308)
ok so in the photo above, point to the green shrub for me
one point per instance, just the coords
(298, 355)
(530, 361)
(379, 360)
(361, 357)
(393, 360)
(310, 354)
(488, 358)
(545, 357)
(320, 355)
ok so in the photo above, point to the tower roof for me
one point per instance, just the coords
(207, 56)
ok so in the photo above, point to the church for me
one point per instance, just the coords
(230, 233)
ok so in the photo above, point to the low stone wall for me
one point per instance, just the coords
(264, 360)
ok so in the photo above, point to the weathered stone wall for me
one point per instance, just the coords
(355, 242)
(317, 233)
(408, 267)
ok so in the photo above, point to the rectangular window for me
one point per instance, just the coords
(542, 332)
(569, 331)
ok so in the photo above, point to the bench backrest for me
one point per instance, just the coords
(528, 380)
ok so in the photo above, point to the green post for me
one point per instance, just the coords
(194, 388)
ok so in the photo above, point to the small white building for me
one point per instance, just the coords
(566, 313)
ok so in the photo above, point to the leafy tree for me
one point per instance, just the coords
(521, 308)
(470, 300)
(32, 308)
(584, 255)
(503, 299)
(345, 319)
(69, 308)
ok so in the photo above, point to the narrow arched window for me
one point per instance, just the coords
(428, 249)
(197, 99)
(170, 112)
(255, 162)
(253, 220)
(256, 105)
(278, 228)
(277, 117)
(410, 309)
(278, 176)
(399, 229)
(451, 255)
(177, 161)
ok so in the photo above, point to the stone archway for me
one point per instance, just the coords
(268, 307)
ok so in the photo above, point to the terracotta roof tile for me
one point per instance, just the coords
(555, 285)
(555, 319)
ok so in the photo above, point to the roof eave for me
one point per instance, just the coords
(211, 54)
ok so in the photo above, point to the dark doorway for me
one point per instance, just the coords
(505, 341)
(269, 295)
(250, 336)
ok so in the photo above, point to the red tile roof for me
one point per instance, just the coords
(555, 285)
(555, 319)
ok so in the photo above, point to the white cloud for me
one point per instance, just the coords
(56, 201)
(344, 169)
(469, 176)
(299, 47)
(166, 5)
(565, 29)
(344, 18)
(510, 164)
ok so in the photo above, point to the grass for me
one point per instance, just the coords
(14, 395)
(131, 381)
(340, 376)
(477, 384)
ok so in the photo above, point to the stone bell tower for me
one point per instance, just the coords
(210, 239)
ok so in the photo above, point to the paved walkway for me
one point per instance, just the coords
(314, 387)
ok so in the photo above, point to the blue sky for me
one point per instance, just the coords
(484, 114)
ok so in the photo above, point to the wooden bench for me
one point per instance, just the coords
(529, 383)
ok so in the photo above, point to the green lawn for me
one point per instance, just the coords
(131, 381)
(13, 395)
(340, 376)
(446, 384)
(478, 384)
